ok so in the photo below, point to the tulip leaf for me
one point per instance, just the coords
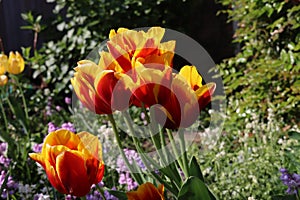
(171, 172)
(193, 188)
(120, 195)
(194, 169)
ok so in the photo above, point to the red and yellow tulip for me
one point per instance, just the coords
(98, 89)
(126, 47)
(203, 92)
(147, 191)
(73, 162)
(181, 96)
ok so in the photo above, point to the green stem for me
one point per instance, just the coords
(184, 154)
(22, 96)
(170, 135)
(165, 151)
(3, 113)
(101, 191)
(136, 177)
(146, 159)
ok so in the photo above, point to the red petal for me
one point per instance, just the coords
(71, 169)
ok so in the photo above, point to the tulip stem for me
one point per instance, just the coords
(22, 96)
(136, 176)
(83, 198)
(183, 152)
(170, 135)
(101, 191)
(3, 113)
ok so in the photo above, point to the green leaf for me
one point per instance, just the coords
(172, 172)
(294, 135)
(284, 197)
(120, 195)
(194, 169)
(193, 188)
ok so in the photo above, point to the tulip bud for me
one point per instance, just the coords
(3, 80)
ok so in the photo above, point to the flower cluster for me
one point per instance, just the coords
(137, 70)
(124, 174)
(14, 64)
(10, 187)
(290, 180)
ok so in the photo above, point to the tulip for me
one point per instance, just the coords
(73, 162)
(181, 109)
(203, 92)
(129, 46)
(181, 96)
(3, 80)
(152, 86)
(15, 63)
(101, 91)
(187, 99)
(3, 64)
(147, 191)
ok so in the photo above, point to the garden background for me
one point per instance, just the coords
(255, 45)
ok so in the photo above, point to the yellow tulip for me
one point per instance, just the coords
(3, 80)
(16, 63)
(3, 64)
(147, 191)
(73, 162)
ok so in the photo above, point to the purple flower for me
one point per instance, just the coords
(132, 156)
(95, 194)
(70, 197)
(3, 147)
(125, 179)
(4, 161)
(290, 180)
(41, 197)
(10, 187)
(68, 100)
(51, 127)
(69, 126)
(58, 108)
(37, 148)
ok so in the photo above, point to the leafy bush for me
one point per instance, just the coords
(264, 76)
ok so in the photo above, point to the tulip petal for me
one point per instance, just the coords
(61, 137)
(38, 158)
(191, 76)
(90, 144)
(3, 63)
(54, 179)
(204, 94)
(120, 55)
(71, 170)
